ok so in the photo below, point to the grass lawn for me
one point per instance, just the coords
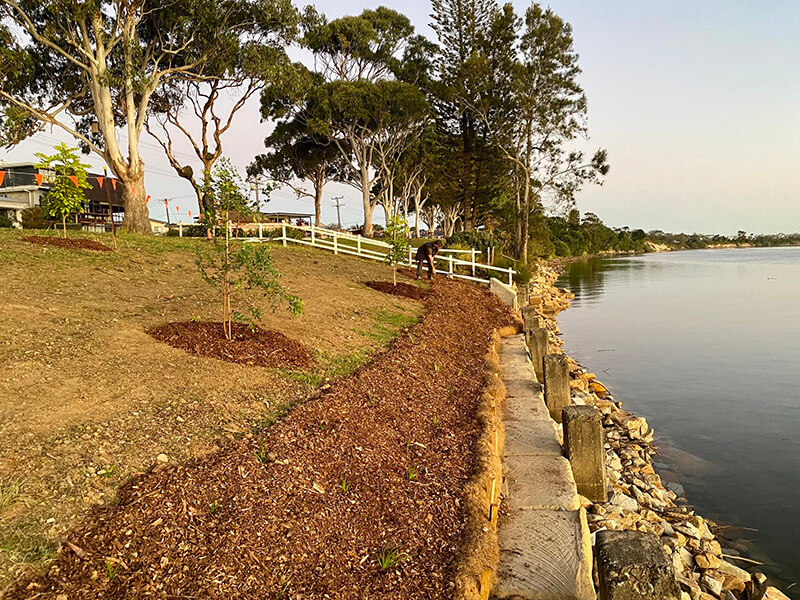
(88, 399)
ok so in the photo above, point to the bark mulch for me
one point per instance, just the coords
(406, 290)
(69, 243)
(304, 510)
(261, 347)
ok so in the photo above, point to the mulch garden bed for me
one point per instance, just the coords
(261, 347)
(307, 509)
(406, 290)
(69, 243)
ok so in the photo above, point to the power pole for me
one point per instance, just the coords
(338, 206)
(166, 206)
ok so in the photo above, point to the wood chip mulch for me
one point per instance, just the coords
(378, 462)
(406, 290)
(69, 243)
(260, 347)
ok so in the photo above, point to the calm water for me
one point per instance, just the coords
(706, 345)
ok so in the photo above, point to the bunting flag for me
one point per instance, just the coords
(190, 214)
(2, 176)
(73, 179)
(99, 182)
(177, 209)
(39, 178)
(114, 184)
(147, 200)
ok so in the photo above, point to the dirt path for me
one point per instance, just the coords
(376, 464)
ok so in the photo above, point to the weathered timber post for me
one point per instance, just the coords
(283, 232)
(583, 445)
(180, 229)
(556, 384)
(530, 318)
(633, 565)
(260, 230)
(335, 244)
(536, 339)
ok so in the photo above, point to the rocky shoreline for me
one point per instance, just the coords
(638, 498)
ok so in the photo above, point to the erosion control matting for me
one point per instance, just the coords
(69, 243)
(248, 346)
(373, 471)
(406, 290)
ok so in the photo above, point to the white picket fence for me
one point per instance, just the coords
(355, 245)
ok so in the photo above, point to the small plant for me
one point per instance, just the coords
(261, 454)
(435, 420)
(111, 569)
(196, 319)
(108, 471)
(212, 508)
(397, 238)
(412, 472)
(66, 195)
(345, 485)
(233, 267)
(390, 557)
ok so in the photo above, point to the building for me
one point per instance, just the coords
(24, 185)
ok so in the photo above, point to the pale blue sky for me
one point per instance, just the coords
(698, 104)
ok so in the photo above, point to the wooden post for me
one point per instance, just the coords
(335, 243)
(537, 345)
(556, 384)
(313, 235)
(510, 276)
(260, 230)
(283, 232)
(473, 261)
(450, 265)
(583, 445)
(358, 241)
(180, 229)
(633, 565)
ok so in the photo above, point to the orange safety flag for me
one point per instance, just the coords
(177, 209)
(147, 200)
(73, 179)
(114, 184)
(99, 181)
(2, 176)
(190, 214)
(39, 178)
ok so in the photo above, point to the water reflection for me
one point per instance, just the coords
(705, 344)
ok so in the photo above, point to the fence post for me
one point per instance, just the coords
(180, 229)
(473, 261)
(335, 243)
(450, 265)
(313, 235)
(358, 240)
(283, 232)
(510, 276)
(260, 230)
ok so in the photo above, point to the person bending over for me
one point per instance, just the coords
(425, 253)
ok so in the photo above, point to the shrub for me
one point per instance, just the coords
(33, 218)
(5, 222)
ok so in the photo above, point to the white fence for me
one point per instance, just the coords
(355, 245)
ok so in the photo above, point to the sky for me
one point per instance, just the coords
(697, 103)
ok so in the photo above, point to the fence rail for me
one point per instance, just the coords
(355, 245)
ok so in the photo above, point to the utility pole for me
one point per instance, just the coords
(338, 206)
(166, 206)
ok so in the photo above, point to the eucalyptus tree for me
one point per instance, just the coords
(536, 112)
(361, 106)
(201, 111)
(92, 68)
(294, 153)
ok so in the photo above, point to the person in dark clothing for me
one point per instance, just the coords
(425, 253)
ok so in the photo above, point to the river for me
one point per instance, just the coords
(706, 345)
